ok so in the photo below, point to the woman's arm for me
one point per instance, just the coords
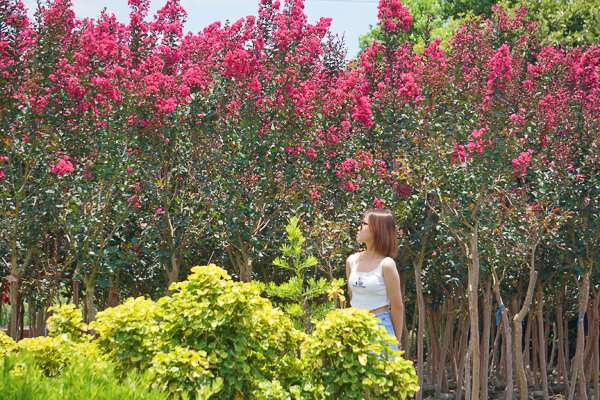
(348, 271)
(392, 283)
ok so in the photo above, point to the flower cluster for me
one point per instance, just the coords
(520, 163)
(393, 16)
(63, 167)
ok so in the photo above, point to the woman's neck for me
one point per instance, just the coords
(370, 254)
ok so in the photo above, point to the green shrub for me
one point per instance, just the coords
(211, 327)
(7, 345)
(348, 352)
(213, 339)
(246, 340)
(82, 379)
(67, 321)
(50, 353)
(180, 370)
(129, 334)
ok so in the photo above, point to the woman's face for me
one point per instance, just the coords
(364, 234)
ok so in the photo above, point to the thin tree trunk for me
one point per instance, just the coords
(485, 338)
(578, 359)
(468, 394)
(404, 340)
(553, 351)
(14, 308)
(542, 345)
(172, 271)
(567, 349)
(527, 346)
(561, 349)
(462, 356)
(421, 330)
(113, 292)
(596, 360)
(76, 287)
(41, 322)
(495, 361)
(89, 302)
(474, 314)
(518, 324)
(506, 335)
(534, 350)
(447, 336)
(412, 336)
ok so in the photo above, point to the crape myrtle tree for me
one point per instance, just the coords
(32, 164)
(172, 160)
(272, 119)
(131, 151)
(475, 129)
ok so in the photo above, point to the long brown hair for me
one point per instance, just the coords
(382, 224)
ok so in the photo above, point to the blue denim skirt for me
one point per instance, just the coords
(385, 320)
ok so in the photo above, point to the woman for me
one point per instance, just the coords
(373, 281)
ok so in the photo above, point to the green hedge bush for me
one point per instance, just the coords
(21, 378)
(219, 339)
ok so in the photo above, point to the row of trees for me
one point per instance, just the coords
(131, 152)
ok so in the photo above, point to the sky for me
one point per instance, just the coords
(349, 17)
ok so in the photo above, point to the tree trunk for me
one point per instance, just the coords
(506, 335)
(447, 335)
(567, 349)
(14, 308)
(527, 347)
(113, 291)
(40, 329)
(553, 351)
(468, 394)
(474, 314)
(577, 365)
(462, 355)
(534, 350)
(172, 271)
(485, 338)
(421, 329)
(518, 323)
(596, 357)
(542, 343)
(404, 339)
(561, 349)
(76, 287)
(412, 336)
(89, 302)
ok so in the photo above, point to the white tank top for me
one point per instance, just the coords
(368, 288)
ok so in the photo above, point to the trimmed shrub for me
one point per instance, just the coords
(349, 352)
(128, 334)
(218, 339)
(7, 345)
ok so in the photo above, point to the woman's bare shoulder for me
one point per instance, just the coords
(389, 263)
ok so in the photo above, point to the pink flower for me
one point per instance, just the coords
(377, 203)
(63, 167)
(478, 133)
(158, 211)
(394, 16)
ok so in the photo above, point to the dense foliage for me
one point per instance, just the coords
(132, 151)
(214, 338)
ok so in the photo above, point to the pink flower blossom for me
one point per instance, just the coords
(394, 16)
(63, 167)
